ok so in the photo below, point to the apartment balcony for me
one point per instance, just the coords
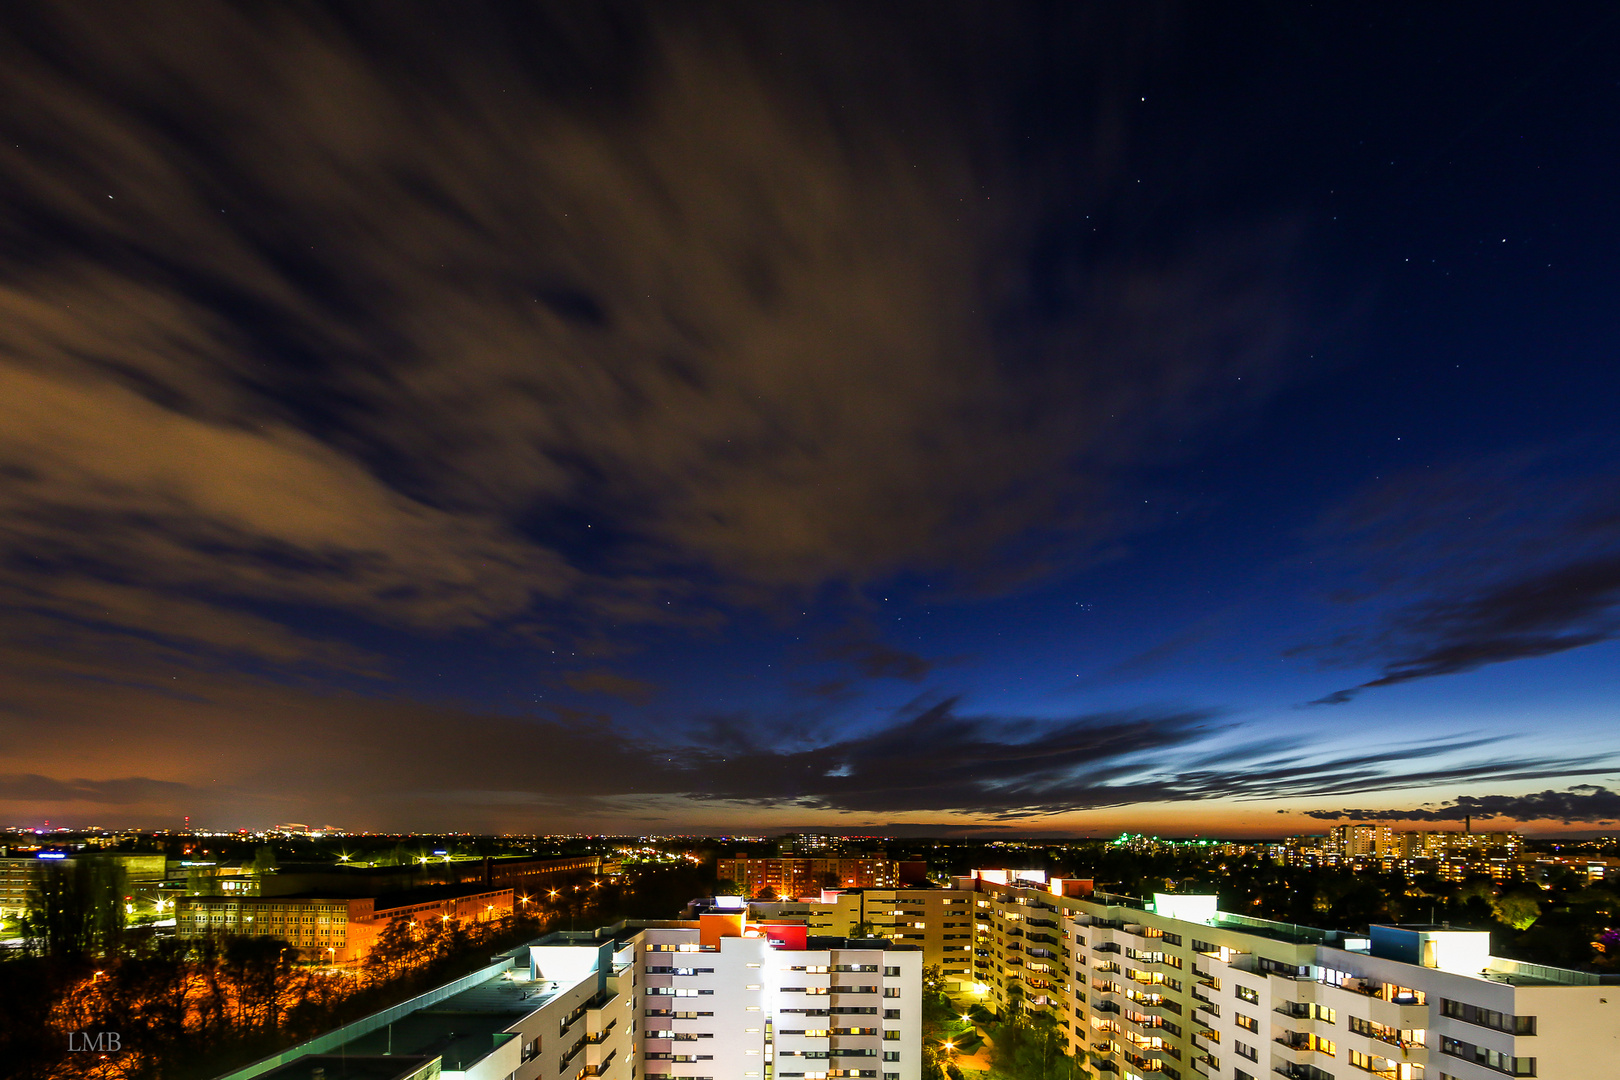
(1206, 1066)
(1381, 1044)
(1292, 1049)
(1146, 1046)
(1390, 1071)
(1294, 1071)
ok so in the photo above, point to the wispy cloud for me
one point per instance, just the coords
(278, 327)
(1495, 563)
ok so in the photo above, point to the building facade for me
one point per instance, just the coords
(331, 929)
(937, 921)
(728, 999)
(1177, 988)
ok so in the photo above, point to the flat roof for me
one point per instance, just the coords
(345, 1067)
(817, 943)
(463, 1028)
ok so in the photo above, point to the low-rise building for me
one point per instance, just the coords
(332, 929)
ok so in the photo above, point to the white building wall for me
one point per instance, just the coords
(1300, 1021)
(727, 1012)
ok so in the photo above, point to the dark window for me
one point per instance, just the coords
(1491, 1059)
(1473, 1014)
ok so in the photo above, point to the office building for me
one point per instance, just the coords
(333, 929)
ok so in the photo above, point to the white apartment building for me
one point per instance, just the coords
(727, 999)
(1177, 988)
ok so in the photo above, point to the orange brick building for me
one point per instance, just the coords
(334, 929)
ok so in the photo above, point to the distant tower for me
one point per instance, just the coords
(1468, 823)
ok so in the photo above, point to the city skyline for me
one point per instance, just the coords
(1000, 420)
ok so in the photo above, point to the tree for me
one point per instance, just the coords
(76, 911)
(1028, 1045)
(1518, 909)
(394, 950)
(261, 973)
(938, 1013)
(264, 860)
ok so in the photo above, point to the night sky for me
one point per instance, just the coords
(934, 417)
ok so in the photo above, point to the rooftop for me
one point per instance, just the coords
(462, 1028)
(881, 944)
(343, 1067)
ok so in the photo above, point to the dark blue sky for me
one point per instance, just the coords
(1053, 418)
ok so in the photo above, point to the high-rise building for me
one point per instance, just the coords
(730, 998)
(793, 877)
(1174, 986)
